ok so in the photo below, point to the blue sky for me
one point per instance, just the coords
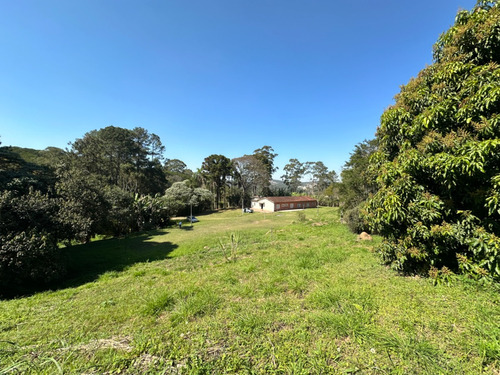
(309, 78)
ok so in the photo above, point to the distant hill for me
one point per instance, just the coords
(49, 156)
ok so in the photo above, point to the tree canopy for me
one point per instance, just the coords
(216, 169)
(438, 161)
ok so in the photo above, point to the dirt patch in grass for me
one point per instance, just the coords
(117, 343)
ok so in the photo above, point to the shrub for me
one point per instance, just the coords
(438, 161)
(29, 258)
(354, 221)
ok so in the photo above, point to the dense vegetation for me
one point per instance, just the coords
(438, 157)
(263, 293)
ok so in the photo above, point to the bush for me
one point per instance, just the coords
(28, 259)
(29, 229)
(354, 221)
(438, 161)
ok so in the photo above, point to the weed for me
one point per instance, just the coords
(229, 248)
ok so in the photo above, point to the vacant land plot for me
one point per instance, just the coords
(255, 293)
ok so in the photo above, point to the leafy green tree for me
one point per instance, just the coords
(438, 161)
(216, 169)
(322, 178)
(129, 159)
(294, 171)
(29, 234)
(249, 173)
(152, 212)
(266, 155)
(176, 171)
(84, 208)
(358, 182)
(181, 196)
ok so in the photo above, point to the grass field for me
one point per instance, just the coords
(284, 293)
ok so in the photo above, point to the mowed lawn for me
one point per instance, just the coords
(284, 293)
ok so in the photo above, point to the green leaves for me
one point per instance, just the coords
(439, 160)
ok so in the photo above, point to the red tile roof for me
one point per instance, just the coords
(290, 199)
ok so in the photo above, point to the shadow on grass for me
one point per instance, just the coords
(85, 263)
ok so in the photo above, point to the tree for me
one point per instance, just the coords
(216, 169)
(322, 177)
(249, 173)
(129, 159)
(84, 209)
(29, 234)
(294, 171)
(358, 183)
(181, 196)
(176, 171)
(266, 155)
(438, 161)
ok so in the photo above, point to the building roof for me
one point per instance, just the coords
(290, 199)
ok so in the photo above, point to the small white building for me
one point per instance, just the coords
(273, 204)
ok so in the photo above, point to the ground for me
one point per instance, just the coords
(287, 292)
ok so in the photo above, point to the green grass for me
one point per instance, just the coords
(297, 297)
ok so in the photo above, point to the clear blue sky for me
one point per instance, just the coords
(309, 78)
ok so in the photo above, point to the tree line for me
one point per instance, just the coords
(115, 181)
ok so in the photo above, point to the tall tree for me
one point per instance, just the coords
(176, 171)
(294, 171)
(322, 177)
(266, 155)
(438, 163)
(358, 183)
(249, 173)
(216, 169)
(129, 159)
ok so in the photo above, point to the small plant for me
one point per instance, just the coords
(229, 248)
(301, 216)
(442, 276)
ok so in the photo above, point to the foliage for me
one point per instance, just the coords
(438, 162)
(18, 174)
(29, 233)
(266, 155)
(358, 183)
(251, 175)
(357, 180)
(322, 177)
(152, 212)
(83, 205)
(216, 169)
(354, 220)
(176, 171)
(294, 171)
(181, 196)
(129, 159)
(330, 196)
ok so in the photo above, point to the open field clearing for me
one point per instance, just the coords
(290, 292)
